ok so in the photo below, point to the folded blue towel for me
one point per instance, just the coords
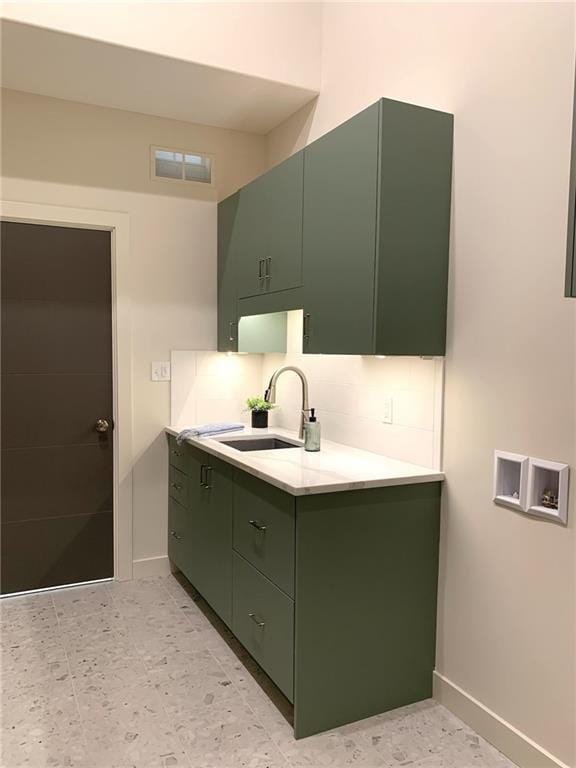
(205, 430)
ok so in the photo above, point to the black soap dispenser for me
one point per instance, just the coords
(312, 433)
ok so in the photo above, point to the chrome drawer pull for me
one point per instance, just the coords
(260, 624)
(175, 535)
(176, 486)
(175, 452)
(257, 525)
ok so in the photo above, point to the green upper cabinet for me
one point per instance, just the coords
(355, 229)
(269, 230)
(376, 233)
(339, 237)
(571, 240)
(227, 312)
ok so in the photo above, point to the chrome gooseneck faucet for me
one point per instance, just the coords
(270, 394)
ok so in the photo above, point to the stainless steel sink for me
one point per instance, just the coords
(267, 443)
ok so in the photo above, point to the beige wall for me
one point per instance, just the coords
(507, 591)
(68, 154)
(72, 143)
(274, 40)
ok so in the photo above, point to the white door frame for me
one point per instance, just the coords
(118, 225)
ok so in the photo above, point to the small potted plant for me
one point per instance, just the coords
(259, 408)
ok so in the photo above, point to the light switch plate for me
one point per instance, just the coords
(161, 371)
(387, 409)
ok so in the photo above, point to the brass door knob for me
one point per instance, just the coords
(102, 425)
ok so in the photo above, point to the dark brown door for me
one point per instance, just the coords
(57, 476)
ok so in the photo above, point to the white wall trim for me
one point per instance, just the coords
(151, 566)
(521, 749)
(119, 225)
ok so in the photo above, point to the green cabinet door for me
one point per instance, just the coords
(339, 237)
(227, 312)
(413, 230)
(269, 236)
(250, 239)
(210, 490)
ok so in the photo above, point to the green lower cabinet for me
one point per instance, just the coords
(263, 621)
(334, 595)
(210, 491)
(365, 603)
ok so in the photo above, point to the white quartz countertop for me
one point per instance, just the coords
(335, 467)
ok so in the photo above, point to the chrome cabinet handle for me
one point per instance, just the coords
(267, 274)
(306, 328)
(260, 624)
(261, 274)
(231, 336)
(176, 486)
(208, 477)
(204, 479)
(257, 525)
(175, 535)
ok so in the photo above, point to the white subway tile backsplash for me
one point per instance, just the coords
(211, 386)
(347, 392)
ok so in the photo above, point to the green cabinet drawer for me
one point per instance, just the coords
(178, 485)
(264, 528)
(179, 535)
(177, 454)
(263, 621)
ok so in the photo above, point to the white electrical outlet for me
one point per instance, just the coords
(387, 409)
(160, 371)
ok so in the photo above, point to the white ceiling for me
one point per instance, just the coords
(65, 66)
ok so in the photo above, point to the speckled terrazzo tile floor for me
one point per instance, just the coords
(143, 675)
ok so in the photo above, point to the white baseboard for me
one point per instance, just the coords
(509, 740)
(150, 566)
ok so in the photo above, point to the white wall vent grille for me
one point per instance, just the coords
(182, 165)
